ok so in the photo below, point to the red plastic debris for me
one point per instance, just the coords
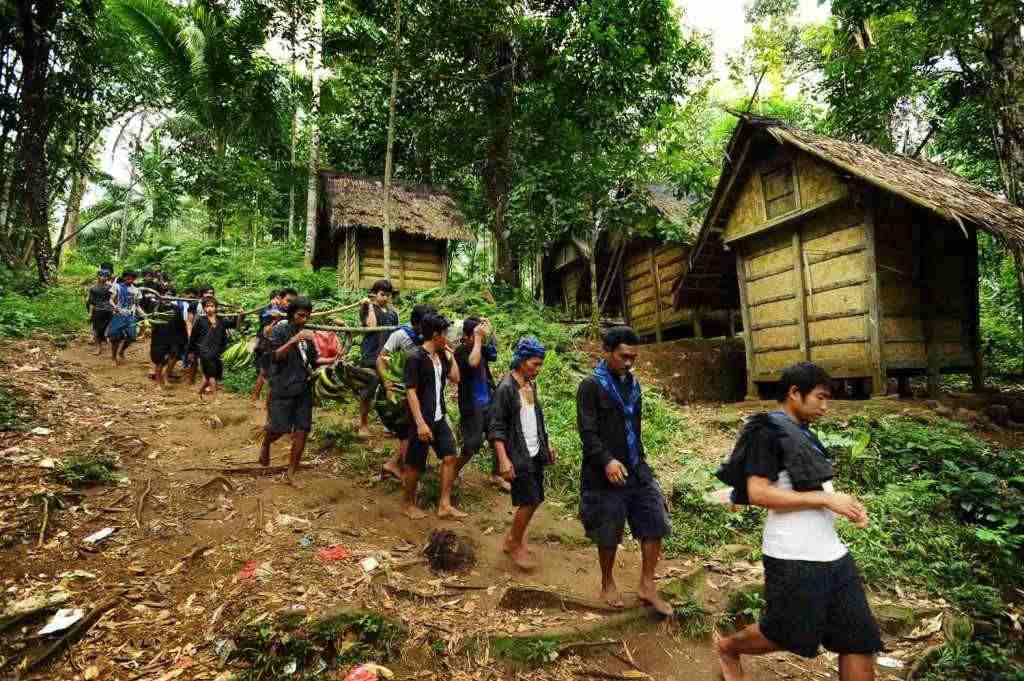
(249, 570)
(334, 553)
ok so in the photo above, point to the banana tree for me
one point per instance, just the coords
(210, 62)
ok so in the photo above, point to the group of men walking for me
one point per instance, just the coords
(813, 590)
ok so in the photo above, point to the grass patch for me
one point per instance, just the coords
(695, 622)
(699, 527)
(294, 644)
(58, 310)
(84, 470)
(13, 405)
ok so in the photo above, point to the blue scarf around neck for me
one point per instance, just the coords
(628, 406)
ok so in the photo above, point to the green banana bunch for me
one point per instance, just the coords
(341, 379)
(237, 356)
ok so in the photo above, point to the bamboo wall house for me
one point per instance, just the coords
(636, 276)
(350, 232)
(861, 261)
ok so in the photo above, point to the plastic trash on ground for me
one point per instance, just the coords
(61, 620)
(369, 672)
(333, 553)
(369, 564)
(99, 536)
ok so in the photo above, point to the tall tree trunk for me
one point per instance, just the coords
(36, 20)
(389, 155)
(314, 134)
(217, 204)
(497, 171)
(5, 201)
(295, 129)
(1006, 56)
(72, 213)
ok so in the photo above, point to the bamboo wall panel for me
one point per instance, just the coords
(835, 240)
(747, 215)
(818, 182)
(769, 287)
(837, 301)
(906, 355)
(760, 265)
(773, 312)
(777, 336)
(902, 327)
(852, 356)
(415, 263)
(769, 364)
(831, 329)
(845, 268)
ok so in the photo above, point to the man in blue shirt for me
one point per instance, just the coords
(476, 391)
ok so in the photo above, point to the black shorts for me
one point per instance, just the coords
(474, 425)
(212, 367)
(100, 321)
(161, 350)
(604, 513)
(370, 391)
(443, 444)
(288, 414)
(528, 486)
(812, 603)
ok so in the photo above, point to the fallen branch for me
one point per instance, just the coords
(594, 674)
(522, 597)
(571, 646)
(407, 563)
(228, 487)
(466, 587)
(259, 515)
(76, 632)
(141, 503)
(46, 518)
(195, 553)
(255, 470)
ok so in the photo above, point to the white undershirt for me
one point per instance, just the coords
(528, 418)
(438, 414)
(809, 534)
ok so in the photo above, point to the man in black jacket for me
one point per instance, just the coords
(521, 443)
(617, 483)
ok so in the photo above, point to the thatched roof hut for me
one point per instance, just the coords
(860, 260)
(424, 220)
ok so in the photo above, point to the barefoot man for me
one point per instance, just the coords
(426, 370)
(812, 587)
(290, 407)
(521, 443)
(617, 484)
(376, 310)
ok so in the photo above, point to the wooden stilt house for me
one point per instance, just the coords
(350, 232)
(861, 261)
(636, 275)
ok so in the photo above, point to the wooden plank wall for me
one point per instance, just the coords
(806, 292)
(416, 263)
(925, 288)
(650, 274)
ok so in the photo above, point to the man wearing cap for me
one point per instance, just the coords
(521, 443)
(124, 325)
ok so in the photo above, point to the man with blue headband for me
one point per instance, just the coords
(521, 443)
(617, 484)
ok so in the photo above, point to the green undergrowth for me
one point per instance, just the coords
(58, 311)
(296, 644)
(84, 470)
(14, 407)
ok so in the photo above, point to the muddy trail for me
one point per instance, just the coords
(200, 551)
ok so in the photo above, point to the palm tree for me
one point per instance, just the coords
(221, 87)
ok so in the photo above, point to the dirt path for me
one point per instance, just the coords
(175, 611)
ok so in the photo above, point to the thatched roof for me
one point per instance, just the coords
(922, 183)
(420, 210)
(664, 201)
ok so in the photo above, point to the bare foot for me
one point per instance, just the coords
(264, 458)
(611, 596)
(732, 670)
(289, 479)
(507, 547)
(501, 483)
(391, 468)
(450, 512)
(650, 597)
(413, 512)
(521, 558)
(364, 432)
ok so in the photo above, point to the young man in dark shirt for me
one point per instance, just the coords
(813, 590)
(375, 311)
(268, 316)
(476, 391)
(426, 369)
(290, 405)
(100, 310)
(521, 443)
(208, 342)
(169, 335)
(617, 484)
